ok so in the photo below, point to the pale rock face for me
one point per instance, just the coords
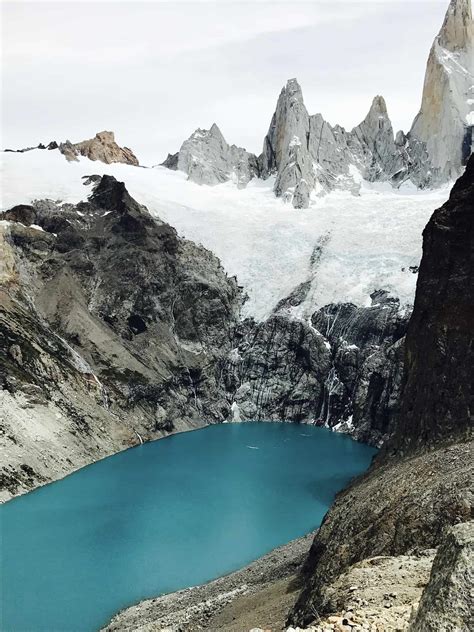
(102, 147)
(309, 155)
(446, 603)
(446, 119)
(207, 159)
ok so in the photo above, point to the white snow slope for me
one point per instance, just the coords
(369, 242)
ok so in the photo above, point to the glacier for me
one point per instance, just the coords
(363, 243)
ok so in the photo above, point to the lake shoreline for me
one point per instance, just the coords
(197, 607)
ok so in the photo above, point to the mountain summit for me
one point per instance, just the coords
(309, 157)
(446, 118)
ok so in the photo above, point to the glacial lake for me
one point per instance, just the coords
(163, 516)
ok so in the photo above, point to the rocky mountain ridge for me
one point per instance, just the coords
(309, 157)
(102, 147)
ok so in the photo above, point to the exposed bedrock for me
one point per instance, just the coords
(342, 369)
(422, 481)
(446, 119)
(112, 328)
(447, 601)
(102, 147)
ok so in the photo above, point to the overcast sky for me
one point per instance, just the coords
(154, 71)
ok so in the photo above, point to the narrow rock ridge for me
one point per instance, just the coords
(102, 147)
(309, 157)
(446, 118)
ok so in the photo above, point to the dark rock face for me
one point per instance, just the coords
(171, 161)
(22, 213)
(367, 351)
(277, 370)
(406, 502)
(342, 370)
(438, 398)
(132, 311)
(446, 603)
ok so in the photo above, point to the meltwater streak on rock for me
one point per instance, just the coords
(164, 516)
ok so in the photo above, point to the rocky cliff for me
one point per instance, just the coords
(341, 369)
(112, 328)
(309, 157)
(383, 512)
(446, 118)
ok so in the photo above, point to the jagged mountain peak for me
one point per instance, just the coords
(292, 90)
(379, 105)
(457, 31)
(444, 123)
(102, 147)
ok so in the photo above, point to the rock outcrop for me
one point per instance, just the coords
(207, 159)
(446, 604)
(111, 327)
(102, 147)
(383, 512)
(446, 118)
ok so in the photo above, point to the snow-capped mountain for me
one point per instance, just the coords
(309, 157)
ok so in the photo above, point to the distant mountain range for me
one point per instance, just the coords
(309, 157)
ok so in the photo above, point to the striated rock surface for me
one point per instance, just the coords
(111, 327)
(377, 152)
(447, 603)
(102, 147)
(383, 512)
(446, 118)
(342, 369)
(207, 159)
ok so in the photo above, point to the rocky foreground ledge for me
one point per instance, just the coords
(426, 591)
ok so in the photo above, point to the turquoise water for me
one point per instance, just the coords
(163, 516)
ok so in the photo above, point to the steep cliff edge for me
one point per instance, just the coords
(422, 482)
(111, 331)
